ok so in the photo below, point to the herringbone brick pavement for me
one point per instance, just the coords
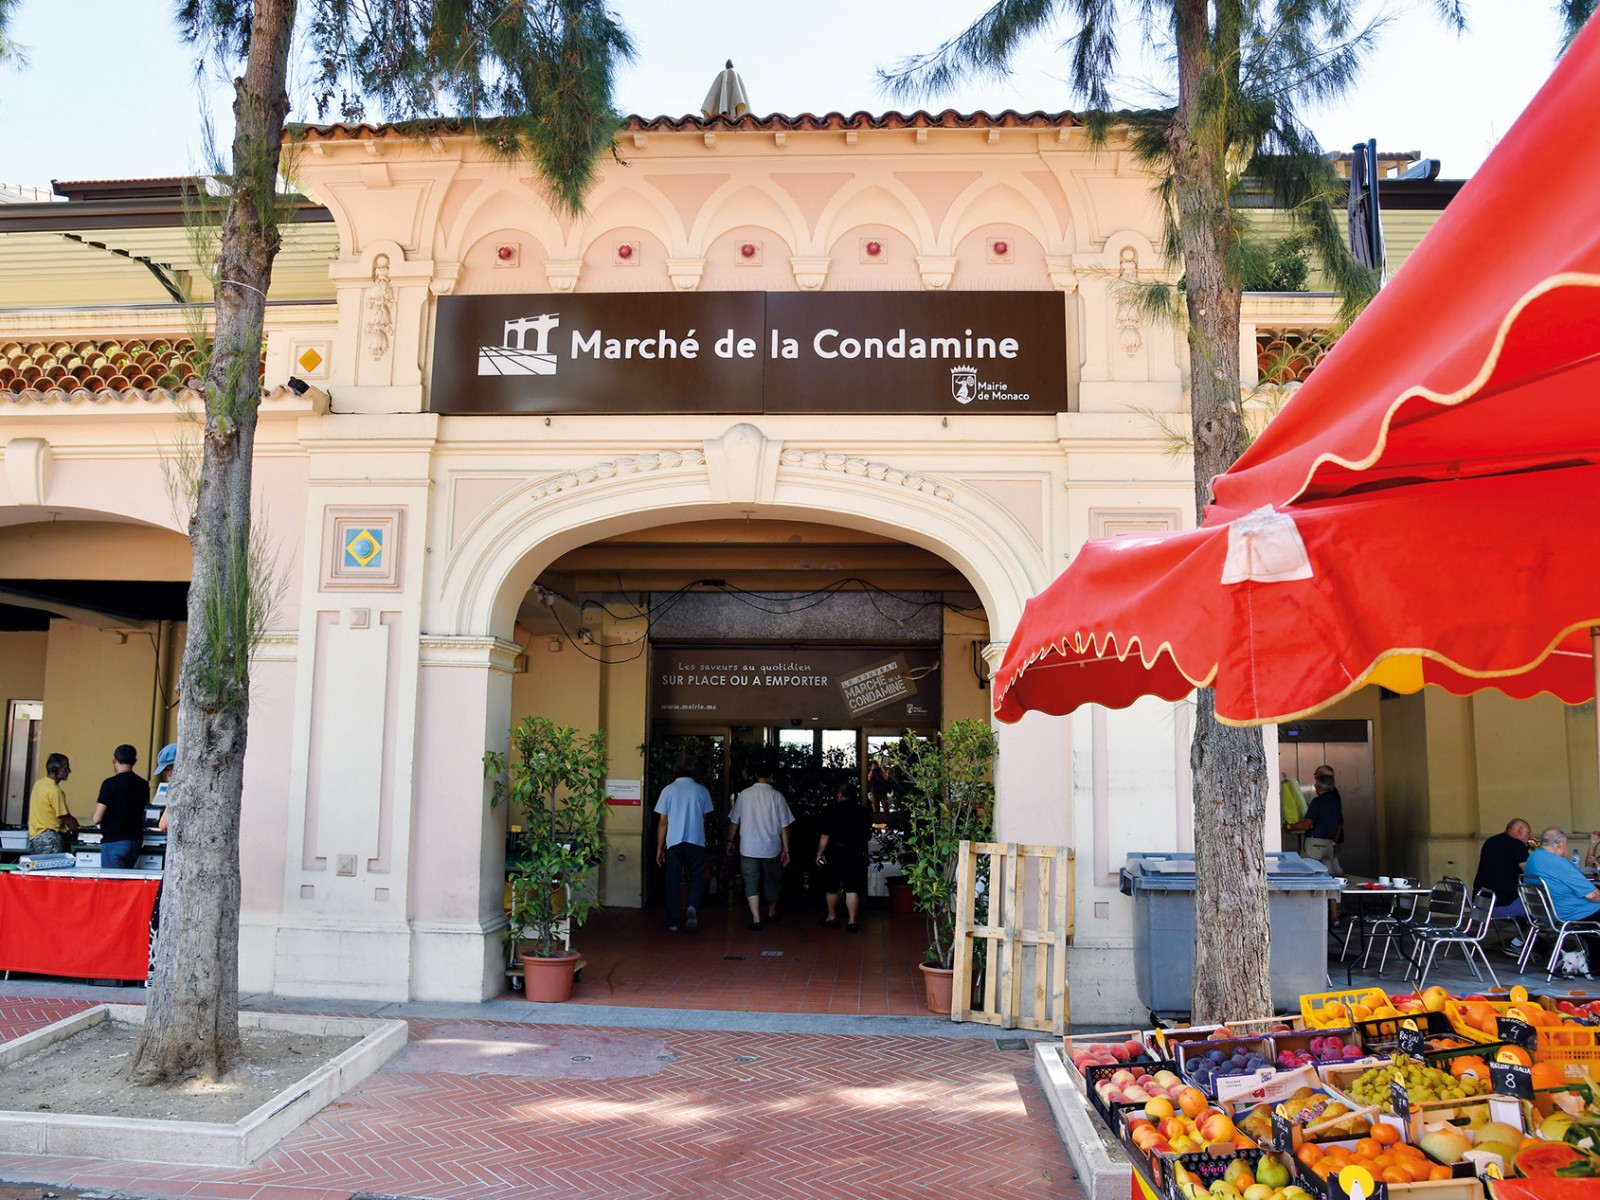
(614, 1114)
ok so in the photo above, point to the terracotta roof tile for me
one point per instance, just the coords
(921, 119)
(154, 368)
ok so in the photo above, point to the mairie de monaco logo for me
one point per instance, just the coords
(514, 356)
(963, 383)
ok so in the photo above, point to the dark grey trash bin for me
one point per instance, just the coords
(1162, 887)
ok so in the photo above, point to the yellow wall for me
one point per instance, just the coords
(1452, 770)
(22, 659)
(99, 691)
(93, 550)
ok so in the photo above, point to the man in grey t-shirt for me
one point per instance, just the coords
(760, 821)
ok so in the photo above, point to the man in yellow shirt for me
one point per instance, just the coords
(50, 821)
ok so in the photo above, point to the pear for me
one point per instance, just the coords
(1272, 1172)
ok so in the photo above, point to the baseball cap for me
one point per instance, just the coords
(168, 756)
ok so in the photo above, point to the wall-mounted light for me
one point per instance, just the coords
(748, 250)
(625, 251)
(298, 386)
(874, 248)
(1002, 248)
(505, 253)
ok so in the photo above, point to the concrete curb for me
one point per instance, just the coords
(1099, 1160)
(197, 1142)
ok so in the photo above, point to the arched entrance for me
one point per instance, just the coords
(587, 579)
(92, 611)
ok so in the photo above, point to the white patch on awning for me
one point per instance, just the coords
(1265, 547)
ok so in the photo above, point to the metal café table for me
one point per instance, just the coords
(1362, 894)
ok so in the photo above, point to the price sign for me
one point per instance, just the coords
(1518, 1033)
(1401, 1099)
(1282, 1132)
(1411, 1040)
(1511, 1079)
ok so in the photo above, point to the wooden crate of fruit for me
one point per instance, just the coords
(1105, 1049)
(1407, 1172)
(1203, 1063)
(1370, 1084)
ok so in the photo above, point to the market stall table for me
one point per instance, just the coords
(84, 924)
(1362, 893)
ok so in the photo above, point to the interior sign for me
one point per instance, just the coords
(877, 685)
(832, 686)
(745, 352)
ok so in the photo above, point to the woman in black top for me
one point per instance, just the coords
(842, 855)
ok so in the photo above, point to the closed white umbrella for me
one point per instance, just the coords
(726, 97)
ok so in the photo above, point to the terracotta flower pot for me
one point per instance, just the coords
(900, 898)
(548, 979)
(940, 983)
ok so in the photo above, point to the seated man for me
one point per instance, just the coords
(1573, 894)
(1500, 868)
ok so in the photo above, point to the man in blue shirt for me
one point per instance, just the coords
(681, 842)
(1573, 894)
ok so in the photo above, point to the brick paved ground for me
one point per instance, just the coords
(791, 966)
(486, 1109)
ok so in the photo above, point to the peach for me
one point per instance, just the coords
(1217, 1128)
(1158, 1108)
(1192, 1101)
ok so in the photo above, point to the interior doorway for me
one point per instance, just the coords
(24, 719)
(1346, 746)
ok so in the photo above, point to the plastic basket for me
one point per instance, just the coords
(1112, 1113)
(1380, 1035)
(1312, 1003)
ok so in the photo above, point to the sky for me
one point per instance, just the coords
(111, 93)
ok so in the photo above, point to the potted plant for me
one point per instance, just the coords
(554, 781)
(948, 798)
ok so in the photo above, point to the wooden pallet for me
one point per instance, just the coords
(1021, 948)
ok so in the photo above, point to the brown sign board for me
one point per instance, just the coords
(831, 687)
(751, 352)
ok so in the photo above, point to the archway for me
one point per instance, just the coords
(588, 576)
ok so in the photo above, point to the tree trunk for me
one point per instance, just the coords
(192, 1023)
(1233, 941)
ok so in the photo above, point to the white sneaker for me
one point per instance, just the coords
(692, 921)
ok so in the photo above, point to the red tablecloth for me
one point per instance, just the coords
(54, 924)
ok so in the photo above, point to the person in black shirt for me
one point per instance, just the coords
(842, 855)
(1324, 821)
(120, 811)
(1500, 867)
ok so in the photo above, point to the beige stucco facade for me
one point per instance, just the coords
(372, 864)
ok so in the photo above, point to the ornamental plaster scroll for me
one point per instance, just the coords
(844, 464)
(617, 468)
(1129, 336)
(380, 309)
(810, 273)
(686, 273)
(28, 463)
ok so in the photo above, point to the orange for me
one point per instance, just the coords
(1367, 1148)
(1308, 1154)
(1407, 1150)
(1395, 1175)
(1438, 1173)
(1385, 1135)
(1324, 1168)
(1548, 1075)
(1513, 1054)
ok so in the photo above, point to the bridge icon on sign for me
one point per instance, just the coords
(513, 357)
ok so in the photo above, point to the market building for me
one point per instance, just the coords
(771, 447)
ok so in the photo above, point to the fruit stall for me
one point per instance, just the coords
(1403, 1097)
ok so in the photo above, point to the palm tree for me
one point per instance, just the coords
(1241, 72)
(544, 68)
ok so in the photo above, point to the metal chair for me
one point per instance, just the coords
(1469, 936)
(1389, 928)
(1445, 911)
(1542, 919)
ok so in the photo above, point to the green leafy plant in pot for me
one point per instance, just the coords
(554, 781)
(948, 798)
